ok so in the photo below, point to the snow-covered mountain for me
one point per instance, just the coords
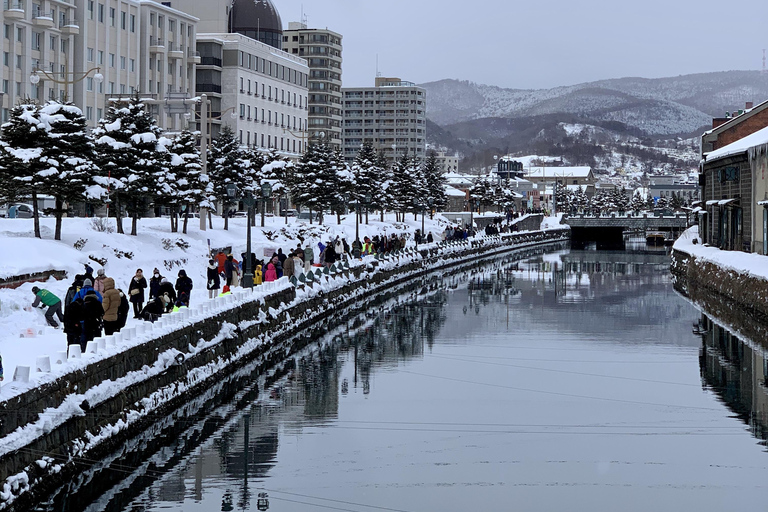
(655, 107)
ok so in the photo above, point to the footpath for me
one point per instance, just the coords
(81, 407)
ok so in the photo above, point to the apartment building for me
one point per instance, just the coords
(322, 50)
(91, 50)
(36, 35)
(391, 115)
(257, 89)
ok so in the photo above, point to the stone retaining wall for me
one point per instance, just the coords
(735, 299)
(177, 382)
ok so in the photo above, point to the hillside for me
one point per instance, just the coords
(648, 122)
(662, 106)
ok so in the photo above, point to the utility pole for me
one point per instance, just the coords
(204, 152)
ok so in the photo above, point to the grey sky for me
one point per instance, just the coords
(537, 43)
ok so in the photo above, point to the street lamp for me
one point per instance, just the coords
(67, 78)
(249, 201)
(430, 202)
(266, 191)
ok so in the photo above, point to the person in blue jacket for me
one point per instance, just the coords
(87, 287)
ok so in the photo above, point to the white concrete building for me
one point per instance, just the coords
(265, 88)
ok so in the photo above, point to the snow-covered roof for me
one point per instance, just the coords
(553, 172)
(743, 145)
(454, 192)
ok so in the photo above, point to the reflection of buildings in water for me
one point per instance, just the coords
(736, 372)
(574, 290)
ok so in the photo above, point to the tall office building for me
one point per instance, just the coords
(391, 115)
(322, 50)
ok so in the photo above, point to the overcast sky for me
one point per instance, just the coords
(537, 43)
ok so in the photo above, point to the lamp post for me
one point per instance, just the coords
(68, 78)
(204, 151)
(249, 201)
(266, 191)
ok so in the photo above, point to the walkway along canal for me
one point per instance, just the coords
(83, 414)
(539, 381)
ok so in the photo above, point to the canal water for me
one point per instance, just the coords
(572, 380)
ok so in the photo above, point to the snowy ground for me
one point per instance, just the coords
(742, 262)
(155, 246)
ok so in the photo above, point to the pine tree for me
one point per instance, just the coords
(188, 171)
(128, 153)
(403, 186)
(22, 140)
(224, 169)
(314, 182)
(638, 204)
(366, 175)
(381, 197)
(68, 153)
(435, 182)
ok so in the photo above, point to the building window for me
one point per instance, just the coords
(19, 34)
(101, 13)
(6, 84)
(112, 16)
(122, 62)
(133, 23)
(123, 21)
(100, 56)
(7, 31)
(89, 113)
(99, 113)
(89, 53)
(89, 83)
(52, 43)
(133, 65)
(111, 60)
(6, 56)
(19, 61)
(111, 88)
(242, 111)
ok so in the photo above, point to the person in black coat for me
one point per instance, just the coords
(154, 284)
(73, 322)
(153, 310)
(77, 283)
(92, 318)
(229, 269)
(136, 292)
(122, 311)
(184, 284)
(167, 290)
(214, 281)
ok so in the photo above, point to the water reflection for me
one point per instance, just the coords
(737, 372)
(557, 379)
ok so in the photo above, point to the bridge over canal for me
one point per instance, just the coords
(608, 230)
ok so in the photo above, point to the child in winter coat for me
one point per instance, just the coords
(271, 274)
(257, 275)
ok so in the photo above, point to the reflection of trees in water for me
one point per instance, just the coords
(735, 372)
(318, 377)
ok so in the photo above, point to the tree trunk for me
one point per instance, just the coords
(382, 215)
(210, 220)
(310, 216)
(134, 224)
(59, 214)
(174, 228)
(226, 220)
(186, 218)
(36, 214)
(338, 218)
(366, 216)
(118, 218)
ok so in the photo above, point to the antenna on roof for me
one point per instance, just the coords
(303, 16)
(378, 74)
(764, 68)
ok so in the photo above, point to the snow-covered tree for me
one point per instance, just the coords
(68, 155)
(314, 181)
(380, 200)
(128, 154)
(22, 140)
(367, 175)
(638, 204)
(435, 182)
(191, 186)
(226, 167)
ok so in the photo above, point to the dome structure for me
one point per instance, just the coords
(257, 19)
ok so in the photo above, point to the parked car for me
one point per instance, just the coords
(23, 211)
(289, 213)
(305, 216)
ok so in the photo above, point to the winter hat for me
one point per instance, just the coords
(155, 271)
(225, 289)
(210, 262)
(163, 280)
(100, 272)
(87, 282)
(182, 273)
(35, 289)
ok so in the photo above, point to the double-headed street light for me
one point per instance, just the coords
(66, 78)
(266, 191)
(248, 201)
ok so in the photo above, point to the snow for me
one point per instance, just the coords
(154, 247)
(743, 145)
(746, 263)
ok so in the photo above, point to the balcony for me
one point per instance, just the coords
(210, 61)
(194, 57)
(208, 88)
(156, 45)
(175, 51)
(43, 19)
(13, 10)
(69, 26)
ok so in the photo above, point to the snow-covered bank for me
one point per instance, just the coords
(745, 263)
(154, 247)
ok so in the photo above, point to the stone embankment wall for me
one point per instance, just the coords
(47, 431)
(736, 299)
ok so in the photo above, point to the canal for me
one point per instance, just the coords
(572, 380)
